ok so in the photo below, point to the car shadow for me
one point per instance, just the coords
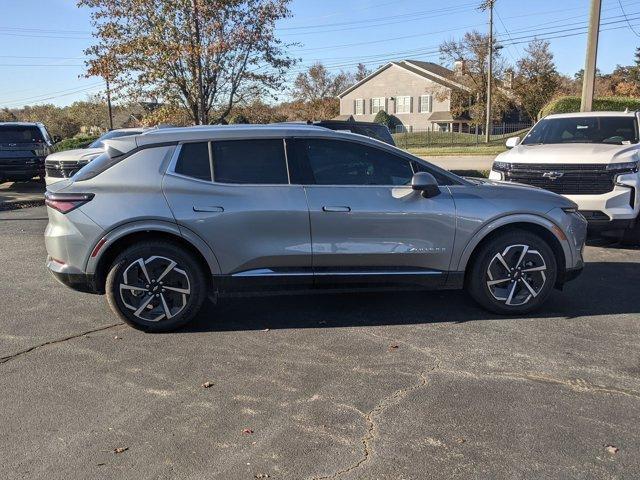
(604, 288)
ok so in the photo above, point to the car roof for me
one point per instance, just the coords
(207, 132)
(592, 114)
(203, 133)
(21, 124)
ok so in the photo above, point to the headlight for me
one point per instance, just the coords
(501, 166)
(625, 167)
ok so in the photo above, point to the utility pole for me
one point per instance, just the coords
(589, 77)
(197, 44)
(109, 104)
(488, 5)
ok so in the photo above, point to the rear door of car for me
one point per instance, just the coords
(367, 224)
(236, 195)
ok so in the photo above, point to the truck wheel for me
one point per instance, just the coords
(156, 286)
(513, 273)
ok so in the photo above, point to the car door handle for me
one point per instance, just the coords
(331, 208)
(207, 208)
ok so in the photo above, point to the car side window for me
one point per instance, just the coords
(335, 162)
(193, 161)
(250, 161)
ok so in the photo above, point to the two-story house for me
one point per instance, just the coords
(417, 93)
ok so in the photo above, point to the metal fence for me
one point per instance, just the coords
(411, 137)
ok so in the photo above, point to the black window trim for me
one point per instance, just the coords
(455, 180)
(174, 160)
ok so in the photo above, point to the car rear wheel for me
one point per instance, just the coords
(156, 286)
(512, 273)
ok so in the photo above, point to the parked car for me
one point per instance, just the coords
(64, 164)
(591, 158)
(23, 148)
(162, 220)
(368, 129)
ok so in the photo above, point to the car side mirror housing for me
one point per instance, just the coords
(425, 183)
(512, 142)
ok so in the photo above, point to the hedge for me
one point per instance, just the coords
(74, 142)
(572, 104)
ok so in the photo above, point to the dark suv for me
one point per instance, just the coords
(23, 148)
(368, 129)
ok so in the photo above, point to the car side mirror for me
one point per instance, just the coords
(512, 142)
(426, 183)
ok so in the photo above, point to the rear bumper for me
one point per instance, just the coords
(21, 172)
(78, 281)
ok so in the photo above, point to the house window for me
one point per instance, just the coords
(426, 103)
(403, 104)
(377, 104)
(359, 106)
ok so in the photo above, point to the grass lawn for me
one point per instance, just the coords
(440, 151)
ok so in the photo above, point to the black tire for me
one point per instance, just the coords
(157, 256)
(486, 263)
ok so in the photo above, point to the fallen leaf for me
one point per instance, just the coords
(120, 449)
(261, 475)
(207, 385)
(612, 449)
(461, 440)
(392, 347)
(265, 330)
(117, 338)
(247, 431)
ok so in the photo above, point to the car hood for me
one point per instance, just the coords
(79, 155)
(578, 153)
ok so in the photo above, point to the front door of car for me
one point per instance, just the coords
(236, 195)
(367, 224)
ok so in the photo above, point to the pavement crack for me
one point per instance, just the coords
(577, 384)
(371, 418)
(53, 342)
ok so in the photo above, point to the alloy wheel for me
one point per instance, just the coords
(155, 288)
(516, 275)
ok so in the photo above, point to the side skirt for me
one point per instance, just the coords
(277, 282)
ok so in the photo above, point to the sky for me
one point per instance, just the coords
(42, 41)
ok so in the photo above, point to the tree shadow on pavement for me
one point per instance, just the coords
(604, 288)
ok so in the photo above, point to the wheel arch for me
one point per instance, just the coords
(546, 229)
(124, 236)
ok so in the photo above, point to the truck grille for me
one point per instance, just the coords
(62, 169)
(564, 178)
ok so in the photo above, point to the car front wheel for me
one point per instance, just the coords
(513, 273)
(155, 286)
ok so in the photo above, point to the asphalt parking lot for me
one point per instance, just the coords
(366, 386)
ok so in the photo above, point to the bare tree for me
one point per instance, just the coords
(317, 83)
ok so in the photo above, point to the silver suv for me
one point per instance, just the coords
(163, 220)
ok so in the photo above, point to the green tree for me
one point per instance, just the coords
(317, 83)
(537, 80)
(204, 55)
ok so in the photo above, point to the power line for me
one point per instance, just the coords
(627, 19)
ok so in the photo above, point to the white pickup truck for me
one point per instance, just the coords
(591, 158)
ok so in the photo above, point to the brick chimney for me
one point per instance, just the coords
(508, 78)
(459, 67)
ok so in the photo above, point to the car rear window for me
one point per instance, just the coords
(193, 161)
(20, 134)
(250, 161)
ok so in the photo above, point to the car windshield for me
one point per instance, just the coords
(610, 130)
(20, 134)
(99, 143)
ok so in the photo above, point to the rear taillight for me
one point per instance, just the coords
(65, 202)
